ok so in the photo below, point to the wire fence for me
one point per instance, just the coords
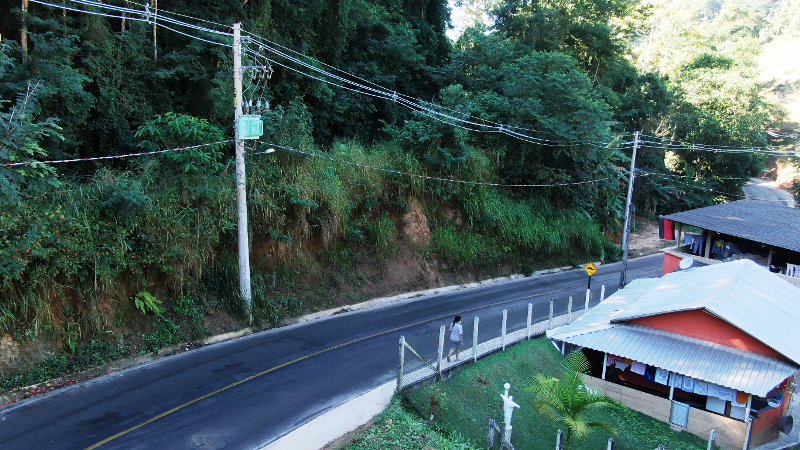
(423, 355)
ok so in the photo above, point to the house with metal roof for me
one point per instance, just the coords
(711, 347)
(765, 232)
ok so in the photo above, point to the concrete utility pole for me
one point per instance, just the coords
(626, 232)
(241, 183)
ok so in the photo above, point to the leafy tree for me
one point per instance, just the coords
(568, 401)
(718, 104)
(20, 140)
(795, 190)
(62, 87)
(175, 131)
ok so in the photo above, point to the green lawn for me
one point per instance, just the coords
(464, 404)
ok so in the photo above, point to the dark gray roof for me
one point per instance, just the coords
(764, 222)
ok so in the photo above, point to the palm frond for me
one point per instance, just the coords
(568, 400)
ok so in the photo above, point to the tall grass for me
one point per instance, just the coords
(533, 226)
(94, 243)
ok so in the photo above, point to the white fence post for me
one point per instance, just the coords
(602, 292)
(749, 421)
(530, 317)
(559, 440)
(550, 322)
(401, 362)
(569, 309)
(503, 333)
(588, 297)
(475, 338)
(712, 439)
(441, 351)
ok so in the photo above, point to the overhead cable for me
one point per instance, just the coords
(404, 100)
(128, 155)
(426, 177)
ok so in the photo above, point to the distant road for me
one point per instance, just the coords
(247, 392)
(768, 191)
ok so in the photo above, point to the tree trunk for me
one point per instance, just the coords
(154, 5)
(23, 34)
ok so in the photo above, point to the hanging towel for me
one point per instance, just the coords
(662, 376)
(638, 367)
(611, 359)
(621, 365)
(727, 393)
(700, 387)
(688, 384)
(650, 374)
(677, 380)
(665, 229)
(721, 392)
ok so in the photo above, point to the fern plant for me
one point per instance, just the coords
(147, 302)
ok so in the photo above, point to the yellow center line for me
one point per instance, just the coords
(271, 369)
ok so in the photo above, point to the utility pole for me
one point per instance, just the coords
(626, 232)
(241, 191)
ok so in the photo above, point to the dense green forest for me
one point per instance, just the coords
(515, 140)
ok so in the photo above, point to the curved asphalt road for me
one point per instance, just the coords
(247, 392)
(767, 191)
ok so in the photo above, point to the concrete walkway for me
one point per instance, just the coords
(337, 422)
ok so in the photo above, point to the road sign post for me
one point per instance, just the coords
(591, 270)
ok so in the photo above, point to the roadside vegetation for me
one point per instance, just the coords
(102, 253)
(397, 428)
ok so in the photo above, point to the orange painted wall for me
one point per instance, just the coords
(769, 417)
(702, 325)
(670, 263)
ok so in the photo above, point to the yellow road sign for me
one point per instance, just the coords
(590, 269)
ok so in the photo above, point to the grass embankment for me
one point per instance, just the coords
(464, 404)
(397, 428)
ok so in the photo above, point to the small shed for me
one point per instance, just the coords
(765, 232)
(706, 348)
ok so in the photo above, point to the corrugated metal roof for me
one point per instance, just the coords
(764, 222)
(715, 363)
(742, 293)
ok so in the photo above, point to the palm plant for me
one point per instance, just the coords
(569, 401)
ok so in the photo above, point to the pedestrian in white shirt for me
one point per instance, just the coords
(456, 337)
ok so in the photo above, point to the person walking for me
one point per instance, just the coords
(456, 337)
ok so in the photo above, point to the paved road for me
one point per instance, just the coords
(768, 191)
(247, 392)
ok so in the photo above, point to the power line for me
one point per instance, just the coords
(426, 177)
(685, 183)
(262, 40)
(149, 15)
(657, 143)
(128, 155)
(144, 16)
(380, 92)
(375, 90)
(227, 27)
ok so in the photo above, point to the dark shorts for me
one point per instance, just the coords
(455, 344)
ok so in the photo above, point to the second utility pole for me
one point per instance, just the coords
(626, 231)
(241, 183)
